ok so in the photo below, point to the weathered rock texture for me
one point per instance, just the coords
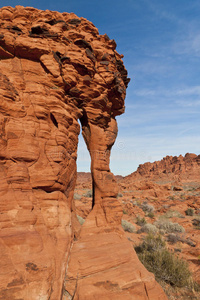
(180, 167)
(55, 69)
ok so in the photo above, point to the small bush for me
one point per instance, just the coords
(119, 195)
(88, 194)
(196, 222)
(191, 189)
(190, 242)
(173, 213)
(125, 212)
(151, 243)
(137, 202)
(168, 226)
(127, 226)
(165, 265)
(173, 238)
(140, 221)
(80, 219)
(150, 215)
(149, 228)
(77, 196)
(147, 207)
(189, 212)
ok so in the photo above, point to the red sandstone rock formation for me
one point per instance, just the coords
(181, 167)
(55, 69)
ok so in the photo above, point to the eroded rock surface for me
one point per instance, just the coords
(176, 167)
(55, 69)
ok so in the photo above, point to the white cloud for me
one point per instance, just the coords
(188, 43)
(189, 91)
(191, 103)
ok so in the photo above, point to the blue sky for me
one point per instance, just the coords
(160, 41)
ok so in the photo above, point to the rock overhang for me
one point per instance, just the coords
(55, 68)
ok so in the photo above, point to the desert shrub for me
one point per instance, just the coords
(151, 243)
(125, 212)
(137, 202)
(173, 213)
(80, 219)
(77, 196)
(88, 194)
(140, 221)
(196, 222)
(149, 228)
(165, 265)
(150, 215)
(168, 226)
(165, 206)
(173, 238)
(119, 195)
(191, 189)
(147, 207)
(189, 212)
(190, 242)
(127, 226)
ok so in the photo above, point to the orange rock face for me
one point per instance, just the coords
(55, 69)
(180, 168)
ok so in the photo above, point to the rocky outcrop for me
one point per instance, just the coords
(55, 69)
(178, 167)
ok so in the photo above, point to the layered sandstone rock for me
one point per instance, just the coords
(180, 167)
(55, 69)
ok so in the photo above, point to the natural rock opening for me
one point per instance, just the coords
(99, 142)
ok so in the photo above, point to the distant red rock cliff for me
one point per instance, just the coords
(187, 166)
